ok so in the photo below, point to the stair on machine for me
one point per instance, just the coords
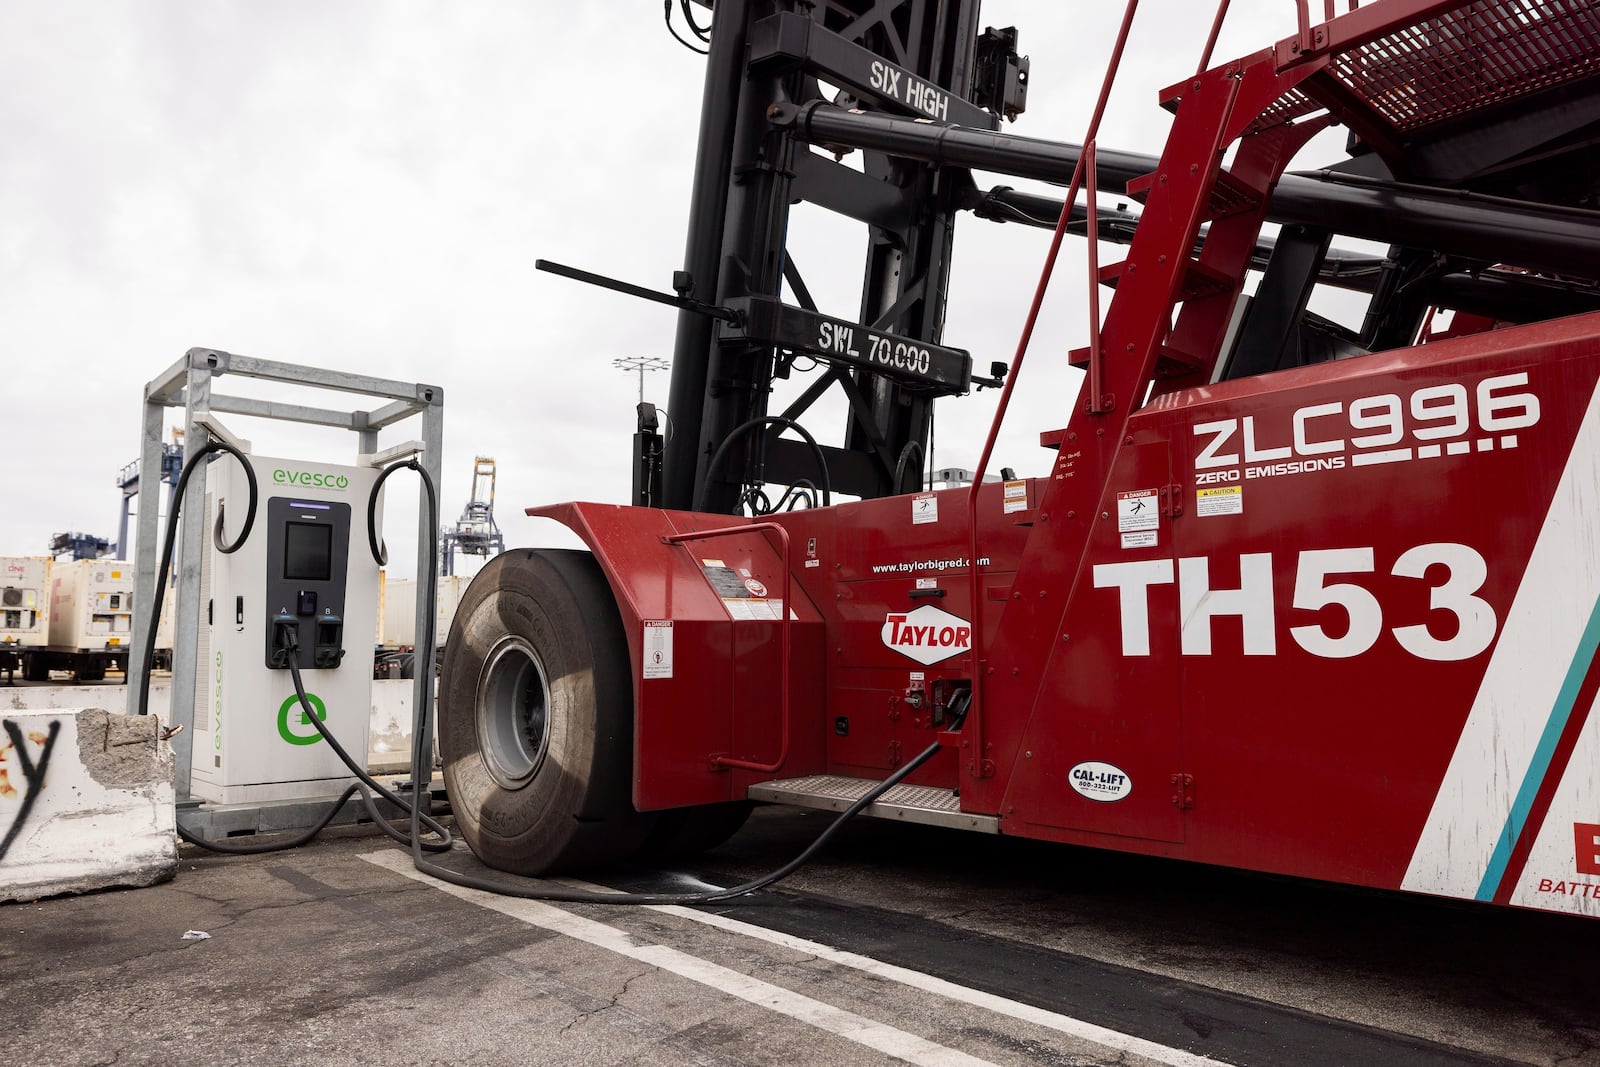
(929, 805)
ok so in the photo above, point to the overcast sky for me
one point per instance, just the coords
(365, 186)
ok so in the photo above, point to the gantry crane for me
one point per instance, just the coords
(475, 532)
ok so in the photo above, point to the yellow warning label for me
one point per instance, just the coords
(1223, 500)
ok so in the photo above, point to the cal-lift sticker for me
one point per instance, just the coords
(1104, 782)
(1138, 518)
(658, 648)
(1221, 500)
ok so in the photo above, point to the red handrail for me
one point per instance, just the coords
(1211, 41)
(1096, 385)
(788, 609)
(1303, 11)
(975, 715)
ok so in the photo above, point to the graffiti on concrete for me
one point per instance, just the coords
(32, 774)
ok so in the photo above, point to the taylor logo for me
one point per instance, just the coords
(927, 634)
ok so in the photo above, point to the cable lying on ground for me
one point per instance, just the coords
(422, 742)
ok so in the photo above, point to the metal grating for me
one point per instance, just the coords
(1230, 196)
(910, 803)
(1480, 55)
(1291, 105)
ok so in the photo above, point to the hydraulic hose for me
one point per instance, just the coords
(903, 464)
(764, 421)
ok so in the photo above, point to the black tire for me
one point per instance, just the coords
(684, 832)
(536, 717)
(35, 669)
(91, 672)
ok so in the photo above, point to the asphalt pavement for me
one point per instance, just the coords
(900, 945)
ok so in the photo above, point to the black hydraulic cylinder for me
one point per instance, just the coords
(712, 172)
(1537, 237)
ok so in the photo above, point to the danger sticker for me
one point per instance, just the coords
(924, 509)
(1138, 510)
(658, 648)
(1223, 500)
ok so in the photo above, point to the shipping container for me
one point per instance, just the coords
(24, 601)
(91, 605)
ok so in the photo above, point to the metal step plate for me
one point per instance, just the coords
(909, 803)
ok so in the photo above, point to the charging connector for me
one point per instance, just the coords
(329, 648)
(285, 642)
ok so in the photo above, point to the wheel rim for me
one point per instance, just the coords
(513, 713)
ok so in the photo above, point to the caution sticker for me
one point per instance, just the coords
(1222, 500)
(1015, 496)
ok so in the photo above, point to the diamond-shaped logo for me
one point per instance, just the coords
(927, 634)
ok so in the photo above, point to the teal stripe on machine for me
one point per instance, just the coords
(1539, 766)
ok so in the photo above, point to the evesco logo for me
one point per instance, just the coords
(927, 634)
(310, 478)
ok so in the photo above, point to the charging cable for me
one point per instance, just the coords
(422, 734)
(531, 889)
(291, 645)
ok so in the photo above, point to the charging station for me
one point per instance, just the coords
(304, 575)
(249, 759)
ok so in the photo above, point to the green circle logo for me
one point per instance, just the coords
(305, 720)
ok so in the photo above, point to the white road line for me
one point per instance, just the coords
(1066, 1024)
(852, 1027)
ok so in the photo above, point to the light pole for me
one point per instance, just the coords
(641, 364)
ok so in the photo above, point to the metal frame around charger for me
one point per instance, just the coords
(188, 384)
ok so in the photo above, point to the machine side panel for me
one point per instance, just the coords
(1105, 742)
(704, 648)
(1382, 615)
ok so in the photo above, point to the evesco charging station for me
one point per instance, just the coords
(304, 577)
(278, 569)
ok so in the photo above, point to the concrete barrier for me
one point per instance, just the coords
(388, 737)
(111, 696)
(86, 802)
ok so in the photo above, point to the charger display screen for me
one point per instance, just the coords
(308, 552)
